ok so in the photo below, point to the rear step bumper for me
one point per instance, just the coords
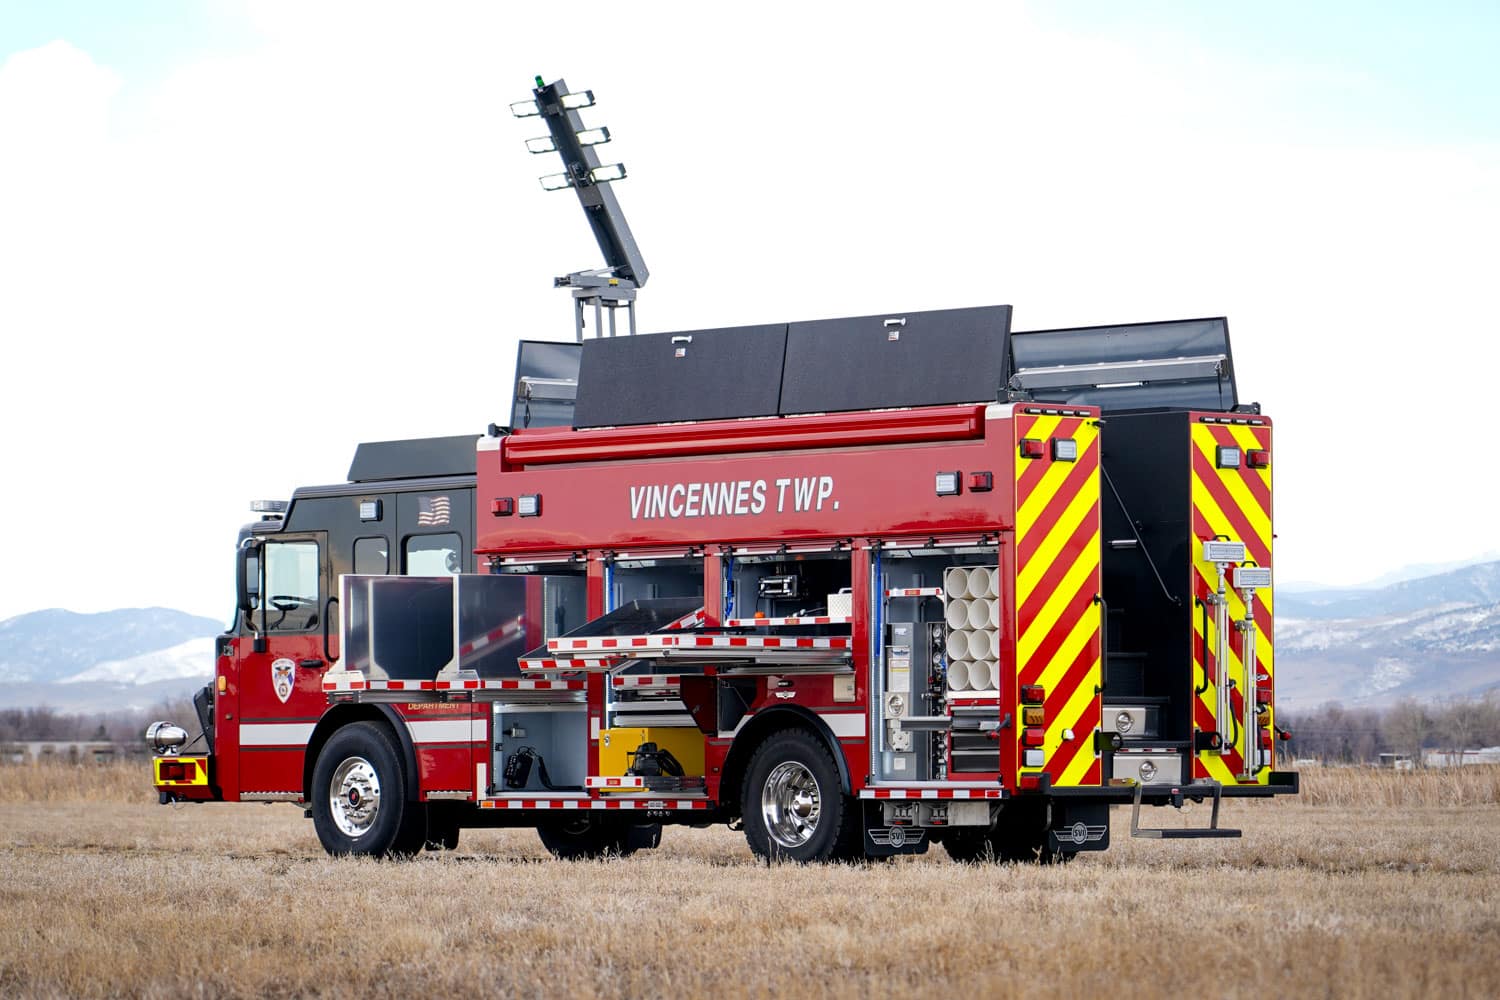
(1210, 789)
(1280, 783)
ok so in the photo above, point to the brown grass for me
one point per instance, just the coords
(1357, 889)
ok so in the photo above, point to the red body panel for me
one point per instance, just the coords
(835, 489)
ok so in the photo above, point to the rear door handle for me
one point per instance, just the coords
(310, 664)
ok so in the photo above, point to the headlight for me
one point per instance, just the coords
(1124, 723)
(1148, 770)
(164, 737)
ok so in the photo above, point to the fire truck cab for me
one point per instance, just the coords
(859, 585)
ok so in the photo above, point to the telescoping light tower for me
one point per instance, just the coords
(610, 287)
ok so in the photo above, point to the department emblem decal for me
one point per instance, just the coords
(283, 677)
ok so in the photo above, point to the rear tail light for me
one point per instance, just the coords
(1032, 737)
(1033, 448)
(1033, 694)
(1258, 458)
(1263, 696)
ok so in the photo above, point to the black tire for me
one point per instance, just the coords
(365, 760)
(793, 805)
(584, 836)
(442, 826)
(1019, 837)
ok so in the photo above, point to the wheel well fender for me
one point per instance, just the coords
(764, 724)
(340, 716)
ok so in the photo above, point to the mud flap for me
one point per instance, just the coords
(882, 841)
(1078, 827)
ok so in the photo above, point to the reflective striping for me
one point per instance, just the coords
(609, 803)
(446, 730)
(931, 793)
(844, 725)
(611, 781)
(816, 620)
(1057, 617)
(915, 592)
(335, 684)
(275, 734)
(581, 663)
(1235, 503)
(646, 681)
(668, 641)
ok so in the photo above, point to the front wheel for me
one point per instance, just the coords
(359, 795)
(794, 807)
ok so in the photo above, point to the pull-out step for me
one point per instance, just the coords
(1207, 789)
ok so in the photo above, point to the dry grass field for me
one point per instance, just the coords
(1370, 885)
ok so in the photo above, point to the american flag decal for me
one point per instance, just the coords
(433, 512)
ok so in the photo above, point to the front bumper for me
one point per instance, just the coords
(183, 778)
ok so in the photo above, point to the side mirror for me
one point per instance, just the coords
(247, 576)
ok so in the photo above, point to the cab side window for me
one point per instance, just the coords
(434, 555)
(371, 557)
(290, 593)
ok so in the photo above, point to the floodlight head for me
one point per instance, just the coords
(574, 101)
(556, 182)
(525, 109)
(593, 136)
(607, 172)
(541, 144)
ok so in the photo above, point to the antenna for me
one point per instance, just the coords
(614, 285)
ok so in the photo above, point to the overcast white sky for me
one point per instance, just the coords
(237, 239)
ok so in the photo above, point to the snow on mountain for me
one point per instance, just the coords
(191, 660)
(49, 646)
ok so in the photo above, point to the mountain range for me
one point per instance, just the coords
(127, 658)
(1433, 637)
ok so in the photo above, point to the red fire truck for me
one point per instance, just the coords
(858, 585)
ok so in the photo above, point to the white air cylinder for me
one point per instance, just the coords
(981, 676)
(956, 582)
(957, 613)
(982, 612)
(958, 675)
(978, 583)
(991, 582)
(981, 644)
(958, 644)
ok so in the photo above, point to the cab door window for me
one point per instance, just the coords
(433, 555)
(290, 589)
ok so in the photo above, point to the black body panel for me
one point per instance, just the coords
(414, 459)
(896, 359)
(1146, 467)
(690, 375)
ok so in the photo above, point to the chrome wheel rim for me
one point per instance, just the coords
(354, 796)
(790, 804)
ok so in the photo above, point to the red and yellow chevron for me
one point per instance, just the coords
(1057, 587)
(1233, 504)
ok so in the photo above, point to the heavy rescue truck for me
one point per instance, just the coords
(858, 585)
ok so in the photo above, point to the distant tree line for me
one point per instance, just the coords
(124, 728)
(1337, 735)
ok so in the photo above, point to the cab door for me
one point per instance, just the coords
(278, 675)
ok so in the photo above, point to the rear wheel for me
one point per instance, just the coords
(793, 804)
(359, 795)
(582, 837)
